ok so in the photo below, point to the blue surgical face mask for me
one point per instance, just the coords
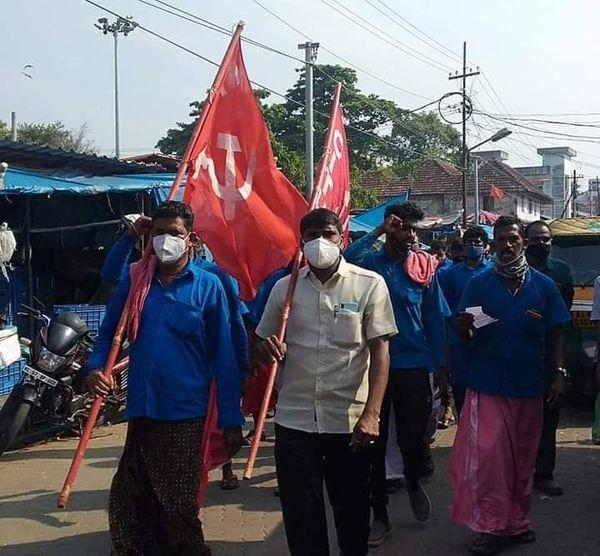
(473, 252)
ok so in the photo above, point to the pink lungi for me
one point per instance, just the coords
(492, 462)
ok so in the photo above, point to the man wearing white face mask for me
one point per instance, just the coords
(333, 374)
(179, 334)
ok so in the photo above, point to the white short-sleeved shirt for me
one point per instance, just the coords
(323, 382)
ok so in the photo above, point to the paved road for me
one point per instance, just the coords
(248, 521)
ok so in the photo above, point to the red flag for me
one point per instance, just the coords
(332, 189)
(245, 209)
(496, 193)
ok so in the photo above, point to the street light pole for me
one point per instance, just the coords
(500, 134)
(125, 26)
(117, 136)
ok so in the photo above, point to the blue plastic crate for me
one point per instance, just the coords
(93, 315)
(10, 375)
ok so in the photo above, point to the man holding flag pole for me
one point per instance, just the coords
(240, 203)
(334, 364)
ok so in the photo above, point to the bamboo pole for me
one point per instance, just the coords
(118, 337)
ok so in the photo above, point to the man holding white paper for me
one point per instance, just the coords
(508, 315)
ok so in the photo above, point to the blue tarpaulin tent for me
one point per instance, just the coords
(22, 182)
(371, 218)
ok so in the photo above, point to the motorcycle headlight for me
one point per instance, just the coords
(49, 361)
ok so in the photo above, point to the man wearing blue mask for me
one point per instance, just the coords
(453, 281)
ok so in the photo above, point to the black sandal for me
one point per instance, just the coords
(487, 544)
(527, 537)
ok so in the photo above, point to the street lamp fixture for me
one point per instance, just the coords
(500, 134)
(122, 25)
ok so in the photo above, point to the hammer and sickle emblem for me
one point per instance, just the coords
(229, 193)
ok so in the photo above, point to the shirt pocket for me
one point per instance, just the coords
(184, 320)
(347, 329)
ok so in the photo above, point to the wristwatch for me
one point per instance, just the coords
(563, 371)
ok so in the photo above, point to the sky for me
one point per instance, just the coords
(536, 57)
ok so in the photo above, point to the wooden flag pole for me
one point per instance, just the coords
(94, 411)
(120, 331)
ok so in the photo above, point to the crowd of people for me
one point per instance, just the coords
(379, 336)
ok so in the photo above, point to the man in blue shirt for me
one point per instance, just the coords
(116, 268)
(453, 282)
(510, 315)
(417, 349)
(183, 341)
(539, 245)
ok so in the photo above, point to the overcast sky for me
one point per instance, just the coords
(540, 56)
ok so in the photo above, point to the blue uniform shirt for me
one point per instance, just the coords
(453, 282)
(183, 340)
(116, 268)
(419, 311)
(507, 356)
(454, 279)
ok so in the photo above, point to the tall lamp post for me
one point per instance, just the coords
(500, 134)
(125, 26)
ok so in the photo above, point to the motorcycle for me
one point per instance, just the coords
(50, 393)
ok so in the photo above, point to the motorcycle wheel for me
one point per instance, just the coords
(12, 416)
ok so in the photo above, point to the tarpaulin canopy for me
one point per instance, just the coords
(21, 182)
(371, 218)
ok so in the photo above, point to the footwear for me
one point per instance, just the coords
(548, 487)
(419, 503)
(230, 483)
(527, 537)
(487, 545)
(393, 485)
(379, 531)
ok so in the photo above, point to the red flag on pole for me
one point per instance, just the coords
(245, 209)
(332, 188)
(496, 193)
(332, 191)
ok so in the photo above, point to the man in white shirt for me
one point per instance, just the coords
(333, 375)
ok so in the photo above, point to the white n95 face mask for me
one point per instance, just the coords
(321, 253)
(168, 248)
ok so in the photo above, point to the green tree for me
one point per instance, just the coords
(55, 135)
(379, 132)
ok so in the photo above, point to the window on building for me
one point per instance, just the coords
(530, 206)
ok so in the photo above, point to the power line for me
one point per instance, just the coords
(454, 54)
(208, 60)
(213, 26)
(335, 55)
(452, 57)
(395, 43)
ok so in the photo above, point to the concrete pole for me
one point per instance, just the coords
(310, 55)
(13, 126)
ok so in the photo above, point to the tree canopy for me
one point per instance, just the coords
(54, 135)
(379, 132)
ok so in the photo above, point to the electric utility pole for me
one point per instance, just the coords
(465, 152)
(125, 26)
(310, 56)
